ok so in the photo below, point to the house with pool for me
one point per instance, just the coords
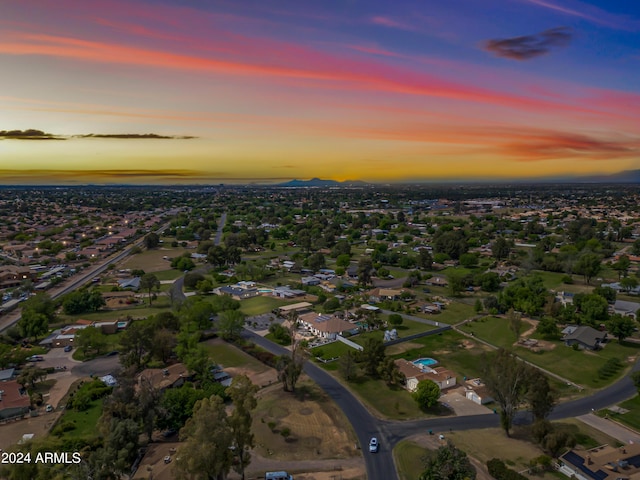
(425, 369)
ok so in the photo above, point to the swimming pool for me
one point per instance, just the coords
(425, 362)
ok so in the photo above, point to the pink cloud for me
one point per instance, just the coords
(391, 23)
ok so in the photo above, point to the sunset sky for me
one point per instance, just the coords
(243, 91)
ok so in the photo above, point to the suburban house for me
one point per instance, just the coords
(602, 463)
(162, 378)
(12, 276)
(130, 283)
(378, 295)
(14, 400)
(414, 374)
(62, 337)
(294, 307)
(326, 326)
(285, 291)
(118, 299)
(310, 281)
(584, 336)
(66, 336)
(436, 282)
(627, 309)
(477, 392)
(239, 291)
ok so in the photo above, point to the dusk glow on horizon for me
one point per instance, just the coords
(236, 92)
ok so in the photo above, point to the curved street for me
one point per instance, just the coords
(381, 465)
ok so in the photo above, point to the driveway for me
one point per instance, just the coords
(611, 428)
(57, 357)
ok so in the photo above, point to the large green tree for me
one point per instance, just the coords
(37, 312)
(588, 265)
(500, 248)
(243, 396)
(621, 327)
(371, 355)
(506, 378)
(206, 452)
(90, 340)
(230, 324)
(427, 393)
(540, 396)
(448, 463)
(149, 282)
(136, 343)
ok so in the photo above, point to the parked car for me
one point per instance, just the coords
(167, 459)
(49, 408)
(35, 358)
(373, 445)
(68, 348)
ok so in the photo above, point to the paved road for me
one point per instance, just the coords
(223, 220)
(379, 466)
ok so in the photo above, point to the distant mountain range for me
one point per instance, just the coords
(628, 176)
(318, 182)
(625, 177)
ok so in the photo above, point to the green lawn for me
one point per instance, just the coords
(391, 402)
(631, 418)
(494, 330)
(332, 350)
(170, 274)
(227, 355)
(408, 457)
(551, 280)
(580, 367)
(258, 305)
(137, 311)
(454, 313)
(411, 327)
(85, 422)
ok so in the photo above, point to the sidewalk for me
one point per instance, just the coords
(611, 428)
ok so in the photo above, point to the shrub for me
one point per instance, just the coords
(499, 471)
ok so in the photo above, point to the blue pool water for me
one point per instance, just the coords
(427, 362)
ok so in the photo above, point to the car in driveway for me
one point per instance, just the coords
(68, 348)
(373, 445)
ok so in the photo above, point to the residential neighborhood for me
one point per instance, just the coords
(416, 306)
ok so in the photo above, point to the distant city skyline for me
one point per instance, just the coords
(241, 92)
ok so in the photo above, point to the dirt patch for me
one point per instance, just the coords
(117, 303)
(153, 461)
(301, 427)
(262, 379)
(402, 347)
(441, 352)
(152, 260)
(468, 344)
(12, 432)
(344, 469)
